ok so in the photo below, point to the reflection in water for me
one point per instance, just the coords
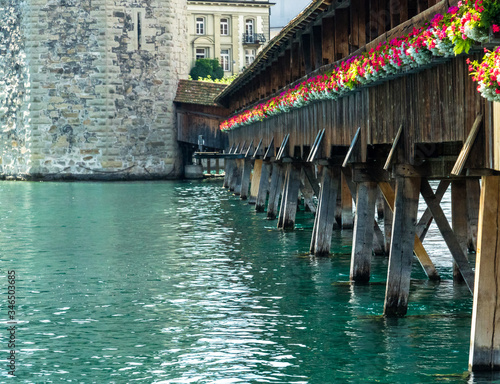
(179, 282)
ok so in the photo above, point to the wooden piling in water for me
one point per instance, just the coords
(473, 197)
(485, 337)
(323, 222)
(255, 184)
(366, 195)
(246, 173)
(459, 221)
(265, 172)
(346, 198)
(402, 242)
(290, 194)
(275, 191)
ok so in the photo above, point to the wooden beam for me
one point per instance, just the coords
(260, 202)
(418, 248)
(341, 34)
(402, 244)
(354, 151)
(366, 194)
(288, 210)
(274, 191)
(255, 183)
(464, 153)
(325, 216)
(485, 337)
(317, 47)
(328, 40)
(426, 218)
(395, 145)
(448, 235)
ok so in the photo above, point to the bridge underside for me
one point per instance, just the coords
(380, 146)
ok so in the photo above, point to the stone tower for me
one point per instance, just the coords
(87, 88)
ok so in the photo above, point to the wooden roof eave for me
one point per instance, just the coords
(396, 32)
(400, 30)
(299, 23)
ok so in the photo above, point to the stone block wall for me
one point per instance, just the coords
(101, 79)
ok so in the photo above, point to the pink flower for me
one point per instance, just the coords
(496, 28)
(453, 10)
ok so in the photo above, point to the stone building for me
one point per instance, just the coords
(87, 88)
(231, 31)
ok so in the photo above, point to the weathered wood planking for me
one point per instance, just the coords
(436, 105)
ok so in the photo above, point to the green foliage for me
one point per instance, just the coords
(205, 68)
(224, 80)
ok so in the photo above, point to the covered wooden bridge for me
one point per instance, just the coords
(389, 137)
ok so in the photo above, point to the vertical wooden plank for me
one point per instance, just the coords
(485, 337)
(254, 185)
(459, 220)
(496, 136)
(260, 202)
(366, 194)
(401, 252)
(341, 34)
(328, 40)
(288, 210)
(306, 52)
(473, 197)
(324, 220)
(274, 191)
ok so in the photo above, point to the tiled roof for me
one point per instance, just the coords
(198, 92)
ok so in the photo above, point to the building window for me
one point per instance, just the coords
(249, 56)
(200, 25)
(201, 53)
(249, 31)
(224, 27)
(224, 60)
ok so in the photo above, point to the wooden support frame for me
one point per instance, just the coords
(448, 235)
(255, 183)
(392, 152)
(257, 153)
(426, 218)
(270, 151)
(284, 149)
(354, 151)
(317, 147)
(366, 195)
(484, 352)
(290, 194)
(325, 216)
(275, 191)
(466, 150)
(260, 202)
(246, 173)
(402, 244)
(418, 248)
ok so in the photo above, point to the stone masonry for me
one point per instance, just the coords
(87, 88)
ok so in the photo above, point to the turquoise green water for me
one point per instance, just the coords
(180, 282)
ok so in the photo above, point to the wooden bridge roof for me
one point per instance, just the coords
(321, 14)
(198, 92)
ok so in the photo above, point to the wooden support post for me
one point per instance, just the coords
(473, 195)
(288, 210)
(459, 220)
(426, 219)
(323, 222)
(402, 242)
(418, 248)
(275, 191)
(448, 235)
(346, 197)
(238, 170)
(366, 195)
(380, 207)
(246, 173)
(485, 337)
(217, 166)
(228, 171)
(260, 203)
(209, 166)
(254, 185)
(387, 227)
(307, 193)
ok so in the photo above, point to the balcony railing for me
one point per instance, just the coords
(254, 38)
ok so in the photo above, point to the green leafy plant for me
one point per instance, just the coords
(205, 68)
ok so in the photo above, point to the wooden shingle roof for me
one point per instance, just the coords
(198, 92)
